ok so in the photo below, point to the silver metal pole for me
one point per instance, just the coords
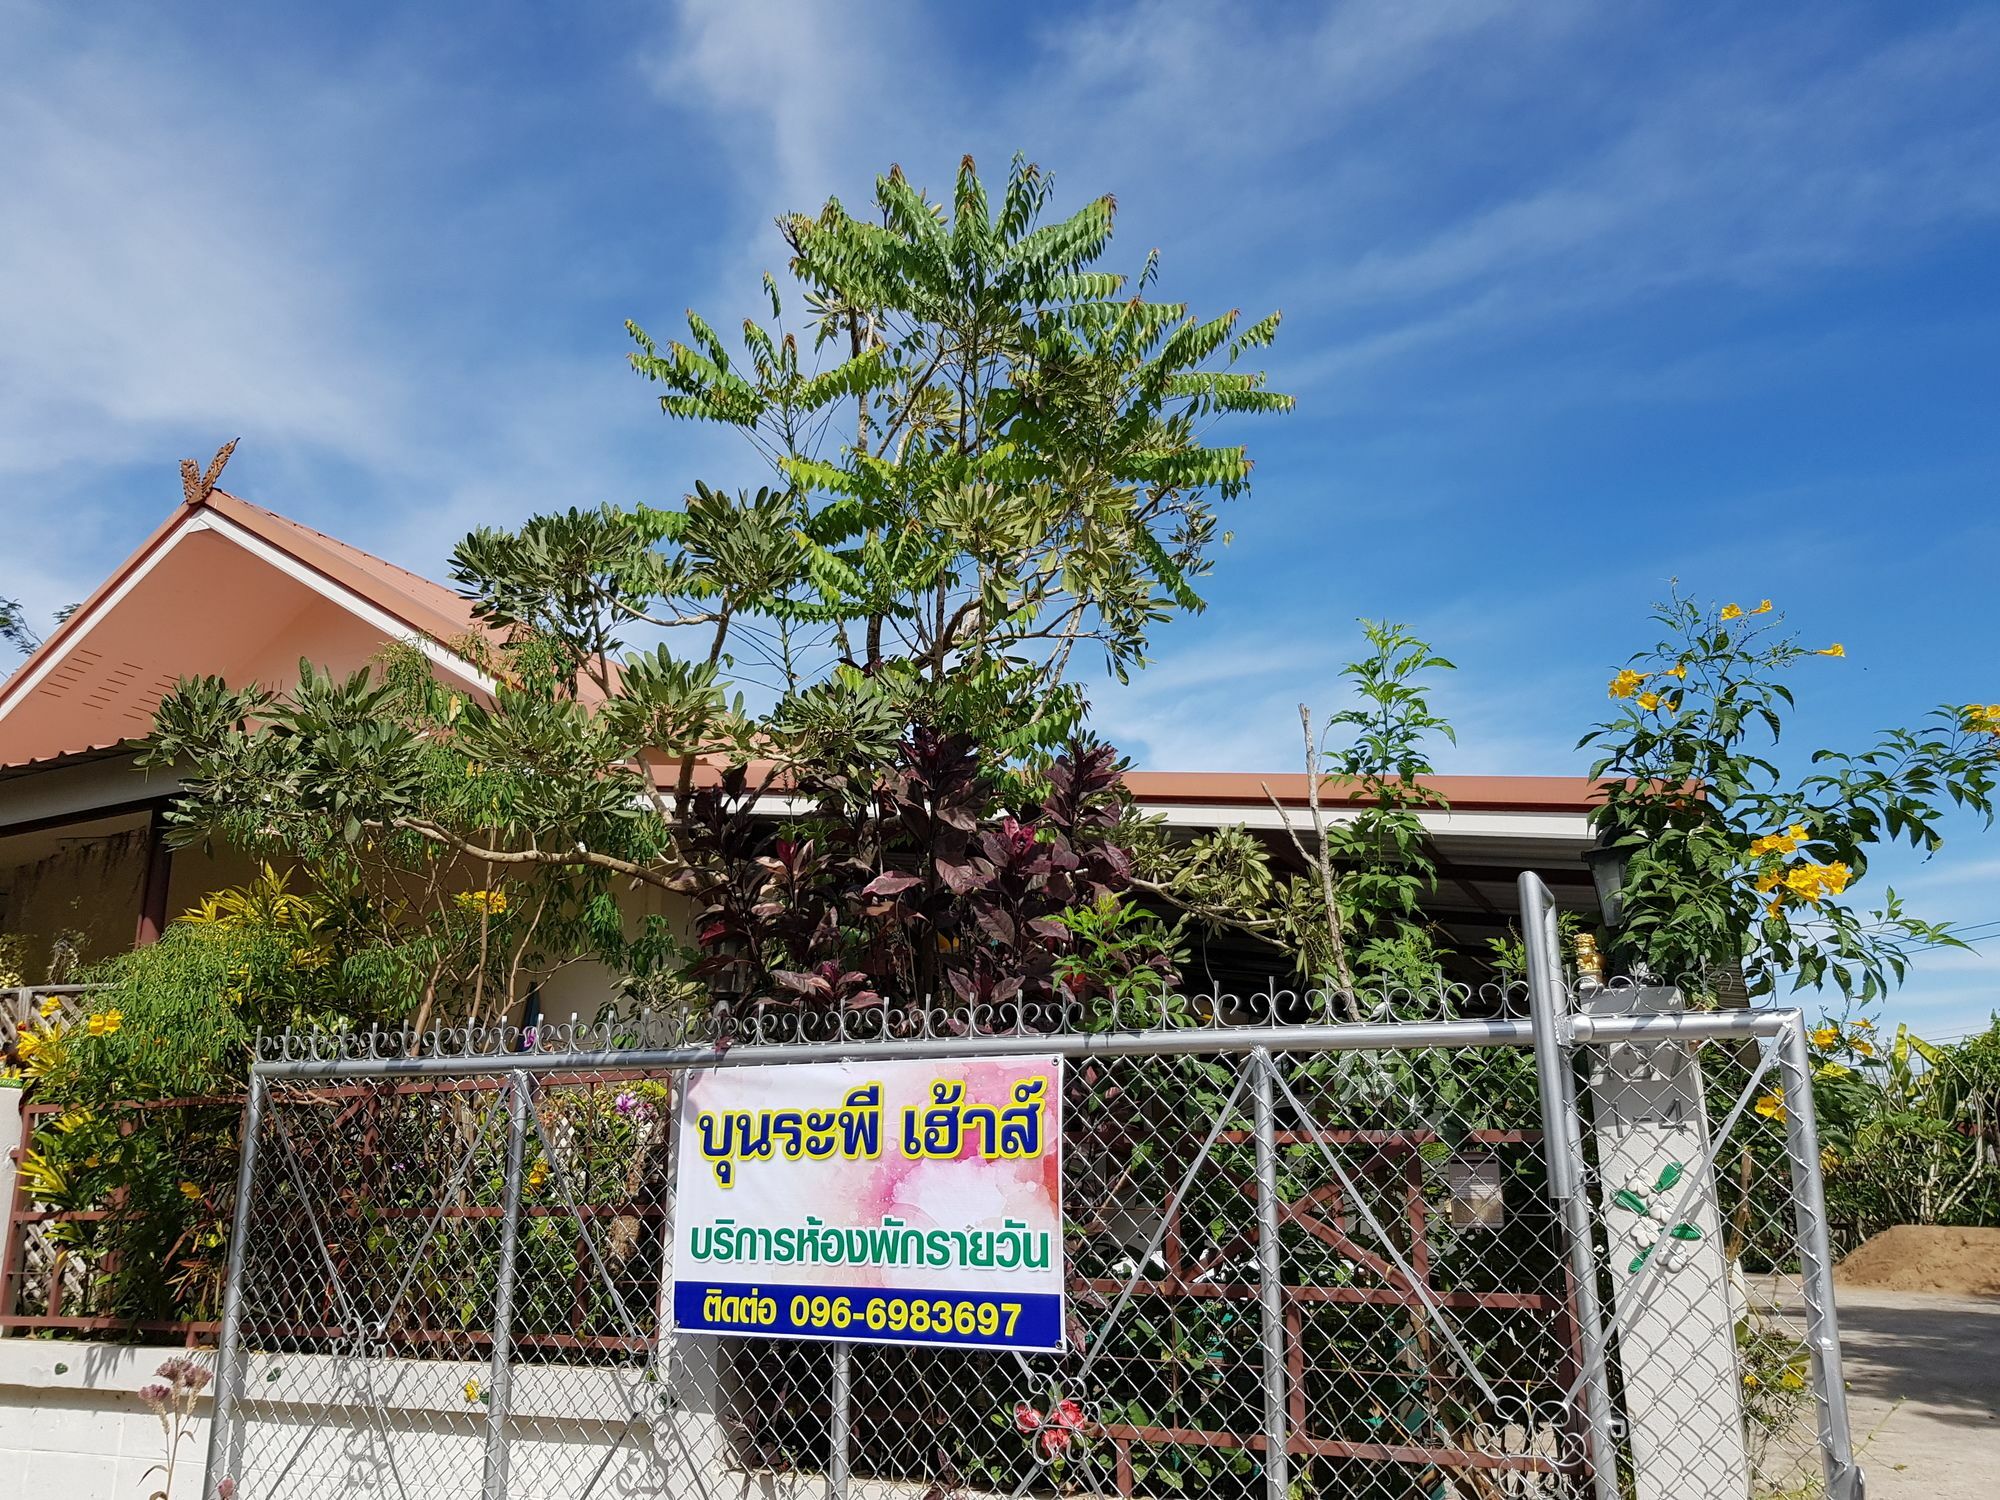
(841, 1420)
(1562, 1145)
(520, 1099)
(1681, 1026)
(1270, 1281)
(1843, 1475)
(225, 1435)
(1358, 1036)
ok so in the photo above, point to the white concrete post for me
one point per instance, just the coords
(1676, 1320)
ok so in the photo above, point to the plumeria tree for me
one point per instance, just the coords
(1731, 861)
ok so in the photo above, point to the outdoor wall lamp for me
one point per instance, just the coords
(1608, 864)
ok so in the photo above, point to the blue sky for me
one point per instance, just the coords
(1577, 298)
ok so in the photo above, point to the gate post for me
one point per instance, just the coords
(1562, 1146)
(225, 1437)
(520, 1096)
(1270, 1283)
(839, 1420)
(1843, 1475)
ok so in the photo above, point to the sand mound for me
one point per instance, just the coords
(1926, 1258)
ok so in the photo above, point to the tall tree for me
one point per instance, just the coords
(985, 452)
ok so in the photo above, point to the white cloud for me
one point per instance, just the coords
(160, 274)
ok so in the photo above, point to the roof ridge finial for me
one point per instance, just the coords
(196, 486)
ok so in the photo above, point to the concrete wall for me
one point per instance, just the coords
(72, 1425)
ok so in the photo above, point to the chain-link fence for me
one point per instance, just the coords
(1555, 1250)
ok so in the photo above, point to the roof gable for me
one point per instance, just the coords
(222, 587)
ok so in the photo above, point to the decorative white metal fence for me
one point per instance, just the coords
(1574, 1251)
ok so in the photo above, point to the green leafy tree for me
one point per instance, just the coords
(985, 452)
(1910, 1128)
(1730, 860)
(1002, 459)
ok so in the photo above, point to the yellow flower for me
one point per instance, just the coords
(1773, 907)
(1779, 843)
(1864, 1025)
(1732, 611)
(191, 1192)
(1826, 1037)
(1678, 669)
(537, 1175)
(1750, 1378)
(1626, 683)
(1836, 649)
(1762, 609)
(1984, 717)
(493, 903)
(51, 1007)
(105, 1023)
(1815, 883)
(1767, 882)
(472, 1390)
(1772, 1105)
(1829, 1160)
(1792, 1379)
(1649, 701)
(1863, 1046)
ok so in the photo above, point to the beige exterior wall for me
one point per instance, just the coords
(576, 992)
(77, 890)
(69, 897)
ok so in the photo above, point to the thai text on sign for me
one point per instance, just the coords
(903, 1202)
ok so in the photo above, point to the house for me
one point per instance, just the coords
(228, 588)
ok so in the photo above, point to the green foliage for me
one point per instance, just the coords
(1730, 860)
(142, 1152)
(1016, 469)
(15, 629)
(469, 845)
(1910, 1129)
(1356, 916)
(993, 453)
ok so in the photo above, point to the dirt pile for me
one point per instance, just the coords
(1926, 1258)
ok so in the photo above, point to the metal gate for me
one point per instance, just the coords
(1573, 1247)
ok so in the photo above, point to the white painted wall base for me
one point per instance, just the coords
(72, 1426)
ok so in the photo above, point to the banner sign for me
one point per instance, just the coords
(899, 1202)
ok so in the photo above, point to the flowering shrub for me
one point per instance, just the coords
(138, 1159)
(1729, 860)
